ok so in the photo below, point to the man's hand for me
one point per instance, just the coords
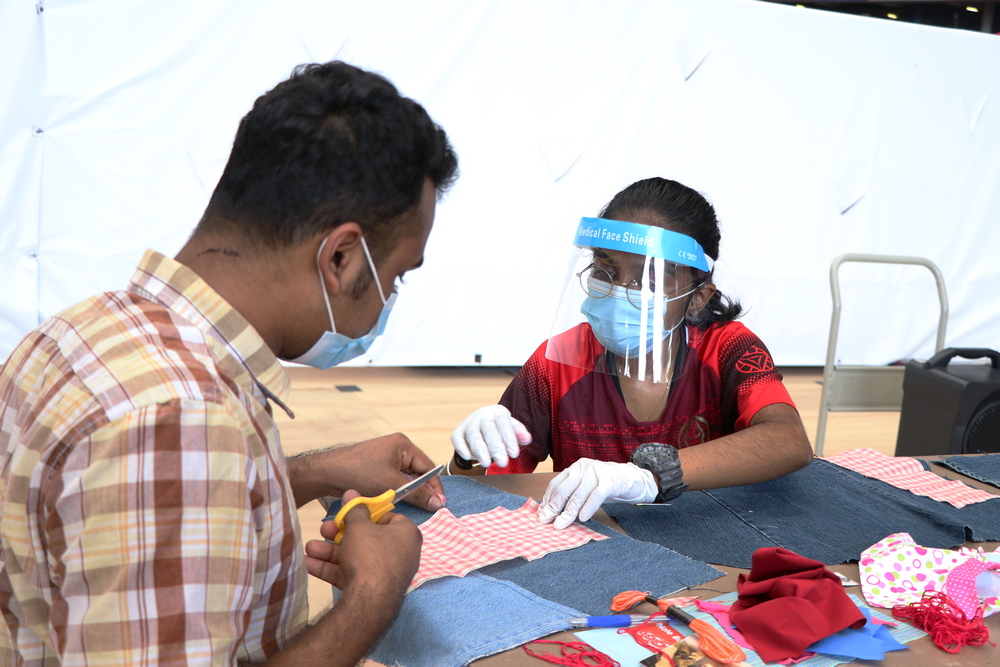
(373, 566)
(371, 467)
(383, 555)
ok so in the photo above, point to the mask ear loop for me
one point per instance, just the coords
(326, 295)
(371, 265)
(322, 285)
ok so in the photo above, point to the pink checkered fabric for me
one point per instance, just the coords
(455, 547)
(906, 473)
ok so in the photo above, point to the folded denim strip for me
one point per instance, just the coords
(985, 468)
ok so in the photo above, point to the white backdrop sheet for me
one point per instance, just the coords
(813, 133)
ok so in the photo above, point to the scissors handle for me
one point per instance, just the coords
(378, 507)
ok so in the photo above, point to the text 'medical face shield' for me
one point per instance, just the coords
(627, 290)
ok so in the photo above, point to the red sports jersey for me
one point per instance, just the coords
(572, 413)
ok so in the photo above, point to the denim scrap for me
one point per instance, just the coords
(822, 511)
(452, 621)
(589, 576)
(985, 468)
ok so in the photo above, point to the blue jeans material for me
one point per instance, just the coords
(823, 512)
(508, 603)
(451, 622)
(985, 468)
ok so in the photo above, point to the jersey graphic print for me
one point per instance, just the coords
(695, 432)
(755, 360)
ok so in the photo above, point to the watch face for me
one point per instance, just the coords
(655, 455)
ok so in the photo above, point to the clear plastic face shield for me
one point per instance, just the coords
(628, 290)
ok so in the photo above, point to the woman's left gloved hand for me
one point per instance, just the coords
(579, 490)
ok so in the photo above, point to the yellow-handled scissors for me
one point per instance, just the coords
(381, 505)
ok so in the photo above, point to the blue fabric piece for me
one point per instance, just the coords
(870, 642)
(584, 578)
(823, 511)
(589, 576)
(450, 622)
(985, 468)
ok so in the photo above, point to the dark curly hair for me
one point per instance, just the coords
(332, 144)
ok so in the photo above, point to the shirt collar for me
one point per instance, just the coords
(175, 286)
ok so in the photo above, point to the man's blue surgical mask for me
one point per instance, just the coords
(334, 348)
(617, 323)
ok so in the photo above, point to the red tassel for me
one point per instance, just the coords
(950, 629)
(572, 654)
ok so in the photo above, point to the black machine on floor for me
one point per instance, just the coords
(950, 408)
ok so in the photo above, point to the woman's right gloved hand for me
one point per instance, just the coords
(580, 490)
(490, 435)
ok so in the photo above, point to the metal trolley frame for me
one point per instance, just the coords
(867, 388)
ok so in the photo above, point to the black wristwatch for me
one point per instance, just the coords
(662, 461)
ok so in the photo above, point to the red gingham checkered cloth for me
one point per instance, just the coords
(455, 547)
(906, 473)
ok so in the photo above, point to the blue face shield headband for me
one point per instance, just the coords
(642, 240)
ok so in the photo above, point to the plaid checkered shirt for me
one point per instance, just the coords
(146, 515)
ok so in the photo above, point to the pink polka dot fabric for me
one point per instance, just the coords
(896, 570)
(960, 585)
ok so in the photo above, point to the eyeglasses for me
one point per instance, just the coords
(599, 283)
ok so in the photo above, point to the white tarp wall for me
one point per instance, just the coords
(813, 133)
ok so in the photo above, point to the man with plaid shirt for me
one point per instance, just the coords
(147, 512)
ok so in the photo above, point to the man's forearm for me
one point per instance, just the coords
(369, 467)
(313, 474)
(342, 636)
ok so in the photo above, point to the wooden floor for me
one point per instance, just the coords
(344, 405)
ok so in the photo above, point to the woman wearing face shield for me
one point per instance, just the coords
(647, 386)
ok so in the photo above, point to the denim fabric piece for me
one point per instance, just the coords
(985, 468)
(452, 621)
(585, 578)
(823, 512)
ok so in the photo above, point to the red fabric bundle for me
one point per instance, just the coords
(787, 602)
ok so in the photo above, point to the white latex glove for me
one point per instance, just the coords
(579, 490)
(490, 435)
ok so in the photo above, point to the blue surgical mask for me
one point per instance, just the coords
(617, 323)
(334, 348)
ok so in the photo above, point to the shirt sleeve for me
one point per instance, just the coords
(749, 379)
(153, 526)
(529, 399)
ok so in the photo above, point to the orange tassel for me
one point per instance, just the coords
(711, 642)
(627, 600)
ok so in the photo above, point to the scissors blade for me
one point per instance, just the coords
(415, 484)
